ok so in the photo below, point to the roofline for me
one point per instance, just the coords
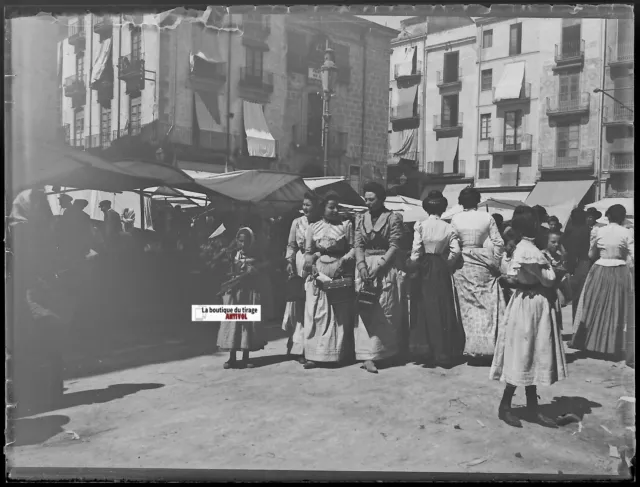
(372, 25)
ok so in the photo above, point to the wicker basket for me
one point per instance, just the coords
(340, 290)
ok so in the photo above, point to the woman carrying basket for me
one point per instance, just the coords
(377, 239)
(328, 320)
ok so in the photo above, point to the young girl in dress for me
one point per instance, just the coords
(247, 336)
(529, 350)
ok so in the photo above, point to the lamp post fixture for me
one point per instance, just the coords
(604, 92)
(329, 72)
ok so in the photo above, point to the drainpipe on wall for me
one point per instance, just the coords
(119, 82)
(475, 165)
(364, 106)
(90, 76)
(228, 154)
(604, 75)
(423, 127)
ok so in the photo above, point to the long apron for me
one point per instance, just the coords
(377, 327)
(293, 321)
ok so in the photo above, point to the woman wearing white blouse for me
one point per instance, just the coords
(604, 321)
(436, 330)
(529, 350)
(481, 299)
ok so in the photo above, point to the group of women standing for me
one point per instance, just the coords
(458, 304)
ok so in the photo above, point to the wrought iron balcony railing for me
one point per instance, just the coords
(621, 53)
(256, 25)
(618, 193)
(450, 77)
(566, 160)
(619, 114)
(448, 123)
(569, 51)
(525, 95)
(76, 29)
(250, 78)
(436, 168)
(400, 69)
(74, 85)
(621, 162)
(569, 104)
(131, 66)
(511, 143)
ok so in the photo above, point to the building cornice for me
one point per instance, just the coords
(408, 40)
(492, 20)
(455, 42)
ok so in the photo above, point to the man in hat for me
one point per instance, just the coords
(593, 216)
(543, 231)
(75, 231)
(65, 202)
(112, 225)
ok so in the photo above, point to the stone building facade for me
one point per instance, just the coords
(184, 86)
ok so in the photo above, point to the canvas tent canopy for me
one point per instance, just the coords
(270, 193)
(340, 185)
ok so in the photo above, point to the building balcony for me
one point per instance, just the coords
(261, 82)
(510, 144)
(436, 169)
(338, 142)
(77, 143)
(98, 141)
(447, 126)
(177, 134)
(621, 162)
(569, 54)
(562, 161)
(103, 26)
(256, 26)
(621, 55)
(452, 79)
(131, 71)
(66, 133)
(77, 35)
(401, 113)
(76, 89)
(578, 104)
(525, 96)
(209, 77)
(406, 71)
(618, 115)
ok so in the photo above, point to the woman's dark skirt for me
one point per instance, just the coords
(604, 321)
(436, 320)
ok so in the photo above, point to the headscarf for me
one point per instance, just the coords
(31, 205)
(249, 233)
(128, 216)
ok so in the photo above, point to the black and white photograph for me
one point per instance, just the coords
(319, 242)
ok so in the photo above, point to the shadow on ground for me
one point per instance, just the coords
(33, 431)
(561, 406)
(101, 396)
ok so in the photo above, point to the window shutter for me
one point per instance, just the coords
(341, 53)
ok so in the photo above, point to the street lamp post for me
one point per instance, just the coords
(329, 72)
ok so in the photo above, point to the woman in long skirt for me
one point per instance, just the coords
(436, 249)
(377, 240)
(604, 316)
(481, 299)
(247, 336)
(328, 328)
(529, 350)
(293, 321)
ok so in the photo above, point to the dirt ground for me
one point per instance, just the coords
(182, 410)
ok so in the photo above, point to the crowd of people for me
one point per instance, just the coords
(363, 287)
(477, 289)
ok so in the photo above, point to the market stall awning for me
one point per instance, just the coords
(101, 61)
(39, 163)
(559, 197)
(260, 142)
(340, 185)
(162, 173)
(551, 193)
(446, 151)
(119, 202)
(511, 82)
(267, 192)
(604, 204)
(410, 208)
(406, 101)
(451, 192)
